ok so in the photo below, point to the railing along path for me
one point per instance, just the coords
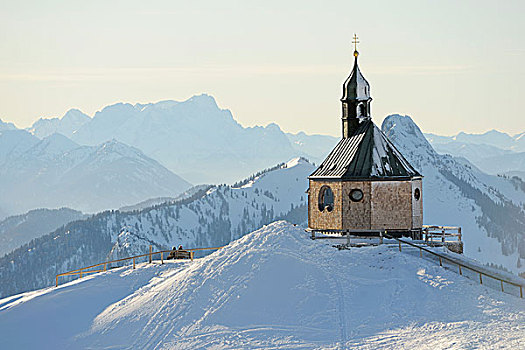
(459, 264)
(83, 271)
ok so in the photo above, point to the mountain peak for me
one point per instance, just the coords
(6, 126)
(76, 116)
(297, 161)
(273, 127)
(53, 145)
(406, 136)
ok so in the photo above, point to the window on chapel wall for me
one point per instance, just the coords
(326, 199)
(356, 195)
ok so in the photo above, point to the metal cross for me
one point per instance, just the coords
(355, 41)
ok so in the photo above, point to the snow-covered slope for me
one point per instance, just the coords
(67, 125)
(273, 288)
(490, 209)
(212, 216)
(56, 172)
(18, 230)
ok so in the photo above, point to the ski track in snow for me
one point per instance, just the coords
(273, 288)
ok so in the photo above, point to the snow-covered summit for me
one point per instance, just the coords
(488, 208)
(272, 288)
(67, 125)
(6, 126)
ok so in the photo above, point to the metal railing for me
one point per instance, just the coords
(87, 270)
(461, 266)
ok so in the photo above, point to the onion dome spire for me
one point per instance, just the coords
(356, 96)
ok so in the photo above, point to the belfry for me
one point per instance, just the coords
(364, 185)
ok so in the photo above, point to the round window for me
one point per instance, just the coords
(326, 199)
(356, 195)
(417, 194)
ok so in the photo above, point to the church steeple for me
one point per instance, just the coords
(356, 97)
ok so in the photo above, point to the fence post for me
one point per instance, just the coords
(80, 273)
(399, 245)
(150, 250)
(459, 233)
(162, 258)
(443, 236)
(56, 281)
(501, 285)
(133, 262)
(460, 270)
(521, 292)
(480, 280)
(381, 237)
(440, 262)
(105, 266)
(191, 255)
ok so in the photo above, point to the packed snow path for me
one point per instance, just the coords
(273, 288)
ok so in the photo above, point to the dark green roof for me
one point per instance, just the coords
(366, 154)
(356, 87)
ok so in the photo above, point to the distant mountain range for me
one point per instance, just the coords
(194, 138)
(94, 164)
(222, 149)
(54, 172)
(493, 152)
(490, 210)
(18, 230)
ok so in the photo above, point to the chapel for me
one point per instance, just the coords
(364, 185)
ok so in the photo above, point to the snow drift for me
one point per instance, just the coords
(271, 288)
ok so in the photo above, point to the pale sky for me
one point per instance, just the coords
(452, 65)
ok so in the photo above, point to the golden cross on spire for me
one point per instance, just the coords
(355, 41)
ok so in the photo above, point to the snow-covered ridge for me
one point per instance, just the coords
(210, 217)
(67, 125)
(490, 209)
(273, 288)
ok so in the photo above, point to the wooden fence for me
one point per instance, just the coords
(460, 265)
(441, 234)
(87, 270)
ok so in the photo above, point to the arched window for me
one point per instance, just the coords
(326, 199)
(361, 110)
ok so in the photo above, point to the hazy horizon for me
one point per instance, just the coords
(451, 66)
(234, 117)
